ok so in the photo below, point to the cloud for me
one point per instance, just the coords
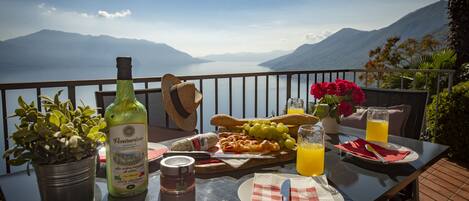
(119, 14)
(46, 10)
(316, 37)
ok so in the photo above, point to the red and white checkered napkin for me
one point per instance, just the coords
(267, 187)
(308, 189)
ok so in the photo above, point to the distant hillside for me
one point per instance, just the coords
(246, 56)
(348, 48)
(57, 49)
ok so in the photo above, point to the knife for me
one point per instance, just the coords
(205, 155)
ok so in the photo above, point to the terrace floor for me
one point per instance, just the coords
(445, 180)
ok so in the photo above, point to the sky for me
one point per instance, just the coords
(203, 27)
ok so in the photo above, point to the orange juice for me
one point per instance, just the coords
(310, 159)
(377, 130)
(295, 111)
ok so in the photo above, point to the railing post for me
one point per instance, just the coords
(266, 95)
(71, 94)
(216, 95)
(5, 128)
(38, 98)
(201, 119)
(288, 86)
(231, 96)
(450, 81)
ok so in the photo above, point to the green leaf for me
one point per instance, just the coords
(17, 162)
(22, 103)
(87, 111)
(102, 124)
(94, 129)
(53, 119)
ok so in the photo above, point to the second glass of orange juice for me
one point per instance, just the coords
(310, 152)
(295, 106)
(377, 124)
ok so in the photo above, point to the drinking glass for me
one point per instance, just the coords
(377, 124)
(310, 152)
(295, 106)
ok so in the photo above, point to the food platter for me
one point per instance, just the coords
(267, 136)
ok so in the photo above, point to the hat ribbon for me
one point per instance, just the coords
(177, 104)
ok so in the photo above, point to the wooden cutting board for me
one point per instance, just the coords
(220, 167)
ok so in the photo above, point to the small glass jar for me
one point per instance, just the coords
(177, 179)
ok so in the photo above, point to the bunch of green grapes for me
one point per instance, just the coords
(264, 129)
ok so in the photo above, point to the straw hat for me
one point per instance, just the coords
(181, 100)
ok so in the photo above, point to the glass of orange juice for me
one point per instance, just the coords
(295, 106)
(310, 152)
(377, 124)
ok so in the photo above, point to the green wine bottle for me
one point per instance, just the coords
(126, 143)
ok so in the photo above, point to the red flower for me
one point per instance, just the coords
(358, 96)
(318, 91)
(332, 88)
(345, 108)
(342, 87)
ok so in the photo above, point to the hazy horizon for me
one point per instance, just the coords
(208, 27)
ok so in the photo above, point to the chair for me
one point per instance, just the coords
(160, 126)
(389, 97)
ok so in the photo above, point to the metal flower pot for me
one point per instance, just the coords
(72, 181)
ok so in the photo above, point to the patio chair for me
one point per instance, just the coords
(389, 97)
(160, 125)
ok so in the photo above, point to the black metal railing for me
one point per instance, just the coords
(305, 78)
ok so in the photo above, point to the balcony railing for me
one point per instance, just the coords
(286, 84)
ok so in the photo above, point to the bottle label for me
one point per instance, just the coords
(128, 151)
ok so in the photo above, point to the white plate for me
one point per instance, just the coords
(245, 189)
(409, 158)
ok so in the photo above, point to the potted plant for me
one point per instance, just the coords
(336, 99)
(61, 143)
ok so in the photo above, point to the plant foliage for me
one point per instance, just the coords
(60, 134)
(447, 120)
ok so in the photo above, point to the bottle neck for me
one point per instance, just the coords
(125, 91)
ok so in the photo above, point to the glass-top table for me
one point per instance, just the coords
(355, 179)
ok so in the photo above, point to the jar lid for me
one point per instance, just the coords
(177, 165)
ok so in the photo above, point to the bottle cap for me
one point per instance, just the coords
(124, 68)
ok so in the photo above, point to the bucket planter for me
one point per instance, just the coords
(336, 99)
(61, 144)
(67, 181)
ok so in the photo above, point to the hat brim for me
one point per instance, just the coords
(187, 124)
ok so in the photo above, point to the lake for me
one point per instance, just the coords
(86, 93)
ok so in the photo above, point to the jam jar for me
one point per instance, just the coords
(177, 178)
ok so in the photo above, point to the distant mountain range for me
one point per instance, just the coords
(247, 56)
(348, 48)
(57, 49)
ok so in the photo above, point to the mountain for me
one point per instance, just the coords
(57, 49)
(247, 56)
(348, 48)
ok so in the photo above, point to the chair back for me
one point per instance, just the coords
(389, 97)
(158, 119)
